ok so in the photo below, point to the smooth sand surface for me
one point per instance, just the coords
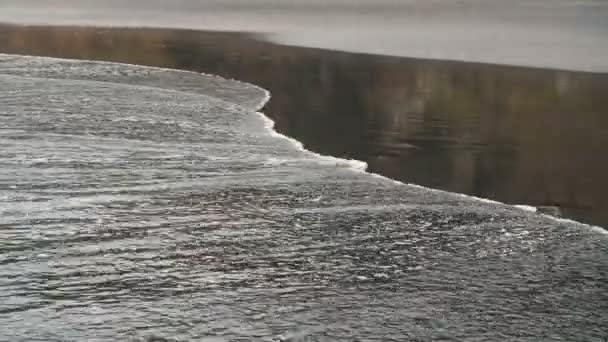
(560, 34)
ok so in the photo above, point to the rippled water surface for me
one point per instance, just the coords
(148, 204)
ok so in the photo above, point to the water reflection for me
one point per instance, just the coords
(518, 135)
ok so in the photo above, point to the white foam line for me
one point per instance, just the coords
(361, 166)
(355, 165)
(525, 207)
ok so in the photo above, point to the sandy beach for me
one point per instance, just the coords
(513, 33)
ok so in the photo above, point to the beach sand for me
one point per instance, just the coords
(559, 34)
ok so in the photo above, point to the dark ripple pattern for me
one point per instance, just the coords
(155, 205)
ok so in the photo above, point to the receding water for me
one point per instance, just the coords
(149, 204)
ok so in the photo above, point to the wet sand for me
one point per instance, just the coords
(518, 135)
(561, 34)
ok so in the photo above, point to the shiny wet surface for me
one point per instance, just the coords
(146, 204)
(517, 135)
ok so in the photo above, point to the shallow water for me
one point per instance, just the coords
(148, 204)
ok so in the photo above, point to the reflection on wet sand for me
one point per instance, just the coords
(518, 135)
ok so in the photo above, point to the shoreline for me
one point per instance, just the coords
(355, 165)
(251, 55)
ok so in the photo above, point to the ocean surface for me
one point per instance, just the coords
(148, 204)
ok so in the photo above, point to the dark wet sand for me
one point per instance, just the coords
(518, 135)
(559, 34)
